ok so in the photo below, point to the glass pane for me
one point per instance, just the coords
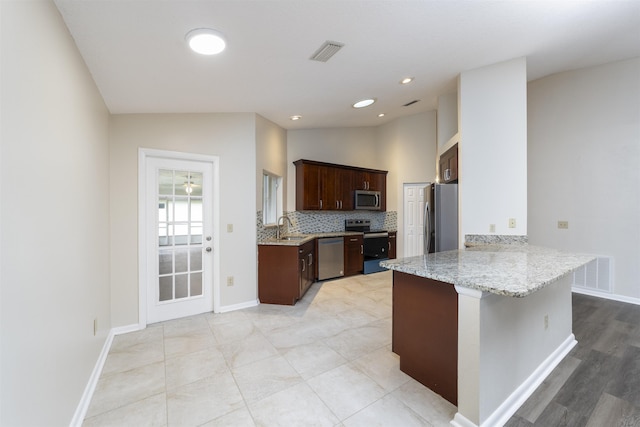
(196, 209)
(165, 262)
(196, 233)
(165, 235)
(163, 206)
(181, 209)
(162, 235)
(182, 183)
(181, 234)
(166, 288)
(196, 183)
(165, 182)
(181, 260)
(182, 291)
(196, 284)
(195, 263)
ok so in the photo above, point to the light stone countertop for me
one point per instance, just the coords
(509, 270)
(306, 238)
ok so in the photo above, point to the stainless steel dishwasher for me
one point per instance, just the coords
(330, 257)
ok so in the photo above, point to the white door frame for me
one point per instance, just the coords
(143, 155)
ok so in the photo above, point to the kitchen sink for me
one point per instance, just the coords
(293, 238)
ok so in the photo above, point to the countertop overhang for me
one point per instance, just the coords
(304, 238)
(509, 270)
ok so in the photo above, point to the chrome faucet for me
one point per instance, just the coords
(278, 225)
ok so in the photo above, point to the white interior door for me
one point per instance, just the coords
(179, 243)
(414, 199)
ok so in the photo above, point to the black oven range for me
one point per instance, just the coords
(376, 243)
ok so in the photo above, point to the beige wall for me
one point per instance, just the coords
(584, 153)
(271, 155)
(407, 149)
(343, 146)
(54, 218)
(232, 138)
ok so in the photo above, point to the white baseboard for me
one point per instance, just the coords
(85, 400)
(233, 307)
(511, 404)
(605, 295)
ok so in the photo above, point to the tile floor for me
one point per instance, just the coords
(326, 361)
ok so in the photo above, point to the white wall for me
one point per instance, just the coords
(231, 137)
(584, 165)
(492, 154)
(55, 204)
(407, 149)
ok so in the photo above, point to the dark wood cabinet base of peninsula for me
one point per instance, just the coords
(425, 332)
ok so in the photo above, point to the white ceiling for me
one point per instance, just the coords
(136, 52)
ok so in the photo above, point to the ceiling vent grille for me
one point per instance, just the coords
(326, 51)
(411, 102)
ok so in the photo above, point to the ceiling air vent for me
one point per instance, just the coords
(326, 51)
(411, 102)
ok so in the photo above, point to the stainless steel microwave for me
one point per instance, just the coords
(367, 200)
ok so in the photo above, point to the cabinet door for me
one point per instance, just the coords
(306, 275)
(308, 179)
(449, 165)
(336, 186)
(353, 255)
(392, 245)
(278, 274)
(344, 188)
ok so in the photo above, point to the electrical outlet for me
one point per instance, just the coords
(512, 223)
(95, 326)
(492, 228)
(229, 228)
(564, 225)
(229, 280)
(546, 322)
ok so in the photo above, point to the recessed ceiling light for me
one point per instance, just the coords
(206, 41)
(381, 115)
(295, 117)
(364, 103)
(406, 80)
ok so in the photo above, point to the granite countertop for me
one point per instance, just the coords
(510, 270)
(301, 239)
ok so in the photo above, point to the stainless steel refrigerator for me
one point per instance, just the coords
(441, 218)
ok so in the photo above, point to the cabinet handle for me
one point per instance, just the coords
(310, 260)
(320, 203)
(340, 204)
(337, 204)
(389, 246)
(353, 240)
(361, 249)
(304, 264)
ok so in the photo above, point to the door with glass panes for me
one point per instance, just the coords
(180, 243)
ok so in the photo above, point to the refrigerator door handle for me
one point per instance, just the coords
(427, 228)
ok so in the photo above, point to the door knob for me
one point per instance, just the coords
(208, 249)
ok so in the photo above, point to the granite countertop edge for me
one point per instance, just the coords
(508, 270)
(307, 237)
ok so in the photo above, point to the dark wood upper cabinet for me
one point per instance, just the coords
(449, 165)
(327, 186)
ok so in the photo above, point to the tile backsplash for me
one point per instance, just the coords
(308, 222)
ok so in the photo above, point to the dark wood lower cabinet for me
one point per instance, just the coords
(392, 245)
(285, 272)
(425, 332)
(353, 255)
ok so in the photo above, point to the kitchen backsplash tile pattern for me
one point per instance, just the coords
(326, 222)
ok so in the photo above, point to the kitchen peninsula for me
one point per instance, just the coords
(485, 325)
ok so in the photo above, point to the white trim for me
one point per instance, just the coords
(239, 306)
(85, 400)
(512, 403)
(143, 155)
(605, 295)
(473, 293)
(87, 395)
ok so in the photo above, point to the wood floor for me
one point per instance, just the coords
(598, 383)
